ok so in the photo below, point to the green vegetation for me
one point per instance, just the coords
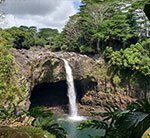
(136, 57)
(104, 23)
(43, 120)
(34, 132)
(132, 122)
(26, 37)
(9, 91)
(12, 90)
(116, 30)
(113, 29)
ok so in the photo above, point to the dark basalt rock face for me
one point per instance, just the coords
(43, 74)
(39, 66)
(55, 93)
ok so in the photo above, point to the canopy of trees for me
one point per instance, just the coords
(26, 37)
(104, 23)
(119, 31)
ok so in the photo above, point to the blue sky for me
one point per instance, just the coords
(77, 4)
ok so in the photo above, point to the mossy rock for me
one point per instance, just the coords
(24, 132)
(36, 132)
(6, 132)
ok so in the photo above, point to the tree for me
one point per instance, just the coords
(22, 38)
(99, 24)
(78, 34)
(136, 57)
(47, 32)
(69, 36)
(146, 9)
(138, 19)
(92, 18)
(26, 37)
(40, 41)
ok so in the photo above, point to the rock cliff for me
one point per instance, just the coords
(40, 65)
(39, 68)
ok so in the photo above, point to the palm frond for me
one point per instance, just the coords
(40, 111)
(97, 124)
(140, 106)
(136, 122)
(43, 120)
(56, 130)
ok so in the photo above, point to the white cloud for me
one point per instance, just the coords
(40, 13)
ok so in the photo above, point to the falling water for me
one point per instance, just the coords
(71, 94)
(71, 91)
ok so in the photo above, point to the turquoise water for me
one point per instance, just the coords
(70, 127)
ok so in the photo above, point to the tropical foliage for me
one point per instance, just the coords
(132, 122)
(117, 24)
(136, 57)
(43, 120)
(8, 89)
(26, 37)
(116, 30)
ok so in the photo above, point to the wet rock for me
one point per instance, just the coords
(100, 99)
(40, 65)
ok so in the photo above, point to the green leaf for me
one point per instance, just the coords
(93, 124)
(136, 122)
(147, 10)
(40, 111)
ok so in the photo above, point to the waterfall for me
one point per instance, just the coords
(71, 91)
(73, 115)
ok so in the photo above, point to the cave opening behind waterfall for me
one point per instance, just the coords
(54, 94)
(49, 94)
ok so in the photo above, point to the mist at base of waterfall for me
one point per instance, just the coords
(77, 118)
(70, 126)
(71, 121)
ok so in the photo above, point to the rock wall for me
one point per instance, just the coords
(39, 65)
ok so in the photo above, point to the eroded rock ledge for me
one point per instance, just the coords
(38, 66)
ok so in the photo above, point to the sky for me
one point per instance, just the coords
(40, 13)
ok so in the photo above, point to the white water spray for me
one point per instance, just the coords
(71, 91)
(71, 94)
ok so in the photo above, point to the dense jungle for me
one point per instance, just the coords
(107, 46)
